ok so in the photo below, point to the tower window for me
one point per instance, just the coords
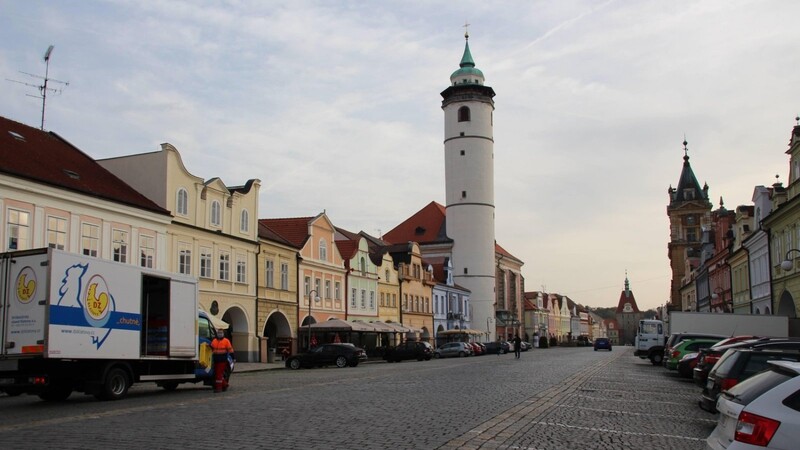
(463, 114)
(461, 134)
(466, 271)
(463, 194)
(463, 152)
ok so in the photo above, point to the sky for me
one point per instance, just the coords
(335, 107)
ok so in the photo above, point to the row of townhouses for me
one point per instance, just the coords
(736, 261)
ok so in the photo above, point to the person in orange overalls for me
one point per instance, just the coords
(220, 347)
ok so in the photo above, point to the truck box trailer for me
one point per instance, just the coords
(651, 335)
(71, 322)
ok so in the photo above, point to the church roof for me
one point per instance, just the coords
(688, 188)
(626, 296)
(467, 65)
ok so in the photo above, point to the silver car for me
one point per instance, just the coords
(762, 411)
(452, 349)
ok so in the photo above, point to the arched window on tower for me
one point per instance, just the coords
(463, 114)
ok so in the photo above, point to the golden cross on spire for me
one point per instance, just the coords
(466, 30)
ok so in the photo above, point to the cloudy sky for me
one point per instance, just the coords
(335, 106)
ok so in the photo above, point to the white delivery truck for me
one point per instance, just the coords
(70, 322)
(651, 335)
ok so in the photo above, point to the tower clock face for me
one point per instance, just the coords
(627, 308)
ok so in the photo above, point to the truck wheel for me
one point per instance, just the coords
(656, 359)
(57, 392)
(116, 384)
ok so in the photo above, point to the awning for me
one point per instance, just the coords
(340, 325)
(398, 327)
(381, 327)
(465, 331)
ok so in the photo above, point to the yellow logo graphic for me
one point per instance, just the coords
(26, 285)
(96, 304)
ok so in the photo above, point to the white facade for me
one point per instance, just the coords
(757, 246)
(469, 181)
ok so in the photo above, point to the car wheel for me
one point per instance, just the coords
(462, 354)
(294, 364)
(341, 362)
(437, 356)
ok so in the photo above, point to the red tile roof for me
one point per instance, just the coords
(347, 249)
(266, 232)
(293, 229)
(427, 226)
(47, 158)
(504, 252)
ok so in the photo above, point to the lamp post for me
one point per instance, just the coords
(787, 263)
(315, 298)
(488, 330)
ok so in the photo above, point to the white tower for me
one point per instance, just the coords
(469, 182)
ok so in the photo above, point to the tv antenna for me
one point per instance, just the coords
(43, 88)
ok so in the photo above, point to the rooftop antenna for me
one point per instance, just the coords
(43, 89)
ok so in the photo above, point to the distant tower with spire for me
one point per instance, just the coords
(469, 183)
(689, 212)
(628, 314)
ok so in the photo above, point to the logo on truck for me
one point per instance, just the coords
(85, 300)
(26, 285)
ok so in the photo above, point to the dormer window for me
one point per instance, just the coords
(323, 250)
(463, 114)
(688, 194)
(244, 222)
(216, 214)
(182, 202)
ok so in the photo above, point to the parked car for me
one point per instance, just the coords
(497, 348)
(760, 412)
(525, 346)
(453, 349)
(675, 339)
(738, 364)
(687, 364)
(483, 347)
(363, 356)
(602, 343)
(418, 350)
(341, 355)
(477, 350)
(708, 357)
(687, 346)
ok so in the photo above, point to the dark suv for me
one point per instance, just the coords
(418, 350)
(736, 365)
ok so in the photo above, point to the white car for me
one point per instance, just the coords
(761, 412)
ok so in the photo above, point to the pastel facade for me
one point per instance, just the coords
(213, 235)
(276, 304)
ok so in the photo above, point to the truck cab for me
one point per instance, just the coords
(650, 341)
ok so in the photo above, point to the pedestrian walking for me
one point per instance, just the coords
(220, 347)
(517, 346)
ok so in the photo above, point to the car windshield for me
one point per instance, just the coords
(751, 388)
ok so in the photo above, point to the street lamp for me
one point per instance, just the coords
(316, 299)
(488, 330)
(787, 263)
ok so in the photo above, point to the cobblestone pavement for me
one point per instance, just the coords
(559, 398)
